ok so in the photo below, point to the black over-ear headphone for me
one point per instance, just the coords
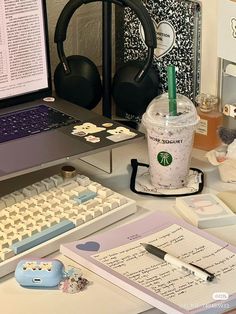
(77, 79)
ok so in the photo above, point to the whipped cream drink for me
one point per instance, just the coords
(170, 140)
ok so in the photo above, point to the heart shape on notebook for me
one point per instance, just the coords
(88, 246)
(166, 36)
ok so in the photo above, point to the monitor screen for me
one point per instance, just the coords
(24, 52)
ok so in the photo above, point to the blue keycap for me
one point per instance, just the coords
(42, 236)
(85, 197)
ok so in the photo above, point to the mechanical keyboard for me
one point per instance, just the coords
(31, 121)
(35, 220)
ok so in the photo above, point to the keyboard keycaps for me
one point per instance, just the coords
(42, 236)
(31, 121)
(54, 210)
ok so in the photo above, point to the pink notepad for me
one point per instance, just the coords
(205, 211)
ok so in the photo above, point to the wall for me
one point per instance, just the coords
(83, 34)
(209, 61)
(84, 37)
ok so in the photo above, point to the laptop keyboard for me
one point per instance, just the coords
(31, 121)
(35, 220)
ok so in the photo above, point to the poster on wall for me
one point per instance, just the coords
(178, 32)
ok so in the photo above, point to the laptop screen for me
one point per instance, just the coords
(24, 52)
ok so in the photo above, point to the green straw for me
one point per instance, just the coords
(172, 90)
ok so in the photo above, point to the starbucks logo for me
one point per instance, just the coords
(164, 158)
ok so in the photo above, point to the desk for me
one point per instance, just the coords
(101, 297)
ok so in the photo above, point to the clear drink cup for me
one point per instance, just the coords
(170, 140)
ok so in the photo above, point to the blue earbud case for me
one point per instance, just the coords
(39, 272)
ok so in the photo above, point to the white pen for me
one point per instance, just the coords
(191, 268)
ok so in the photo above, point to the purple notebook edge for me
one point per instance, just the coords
(124, 234)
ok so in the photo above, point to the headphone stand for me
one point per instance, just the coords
(107, 57)
(77, 78)
(107, 63)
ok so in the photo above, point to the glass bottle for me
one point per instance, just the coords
(206, 136)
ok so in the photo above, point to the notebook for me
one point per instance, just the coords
(205, 211)
(178, 32)
(118, 256)
(25, 83)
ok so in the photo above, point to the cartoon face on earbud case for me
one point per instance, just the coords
(39, 272)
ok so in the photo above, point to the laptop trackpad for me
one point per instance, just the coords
(39, 149)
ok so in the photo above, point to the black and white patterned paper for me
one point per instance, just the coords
(181, 22)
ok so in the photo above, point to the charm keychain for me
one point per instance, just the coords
(73, 281)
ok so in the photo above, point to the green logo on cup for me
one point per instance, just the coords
(164, 158)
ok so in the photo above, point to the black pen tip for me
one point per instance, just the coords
(210, 278)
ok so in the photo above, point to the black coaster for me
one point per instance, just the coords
(140, 182)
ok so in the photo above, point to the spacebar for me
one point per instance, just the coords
(42, 236)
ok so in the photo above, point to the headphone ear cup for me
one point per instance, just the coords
(133, 97)
(82, 85)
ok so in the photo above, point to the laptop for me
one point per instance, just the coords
(60, 131)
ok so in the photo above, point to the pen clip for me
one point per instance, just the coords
(210, 277)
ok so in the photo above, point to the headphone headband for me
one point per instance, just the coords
(135, 5)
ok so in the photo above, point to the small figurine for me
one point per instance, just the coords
(74, 282)
(225, 156)
(227, 135)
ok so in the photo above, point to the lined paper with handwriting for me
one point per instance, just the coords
(177, 286)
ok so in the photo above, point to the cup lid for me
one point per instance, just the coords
(157, 112)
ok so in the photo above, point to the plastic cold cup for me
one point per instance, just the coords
(170, 140)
